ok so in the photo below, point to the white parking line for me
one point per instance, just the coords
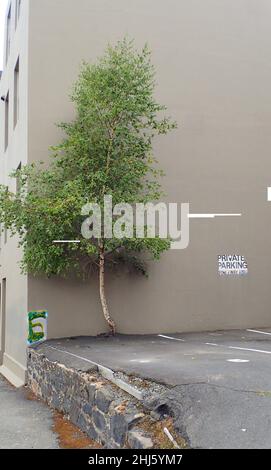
(261, 332)
(75, 355)
(238, 360)
(221, 345)
(248, 349)
(142, 361)
(241, 349)
(170, 337)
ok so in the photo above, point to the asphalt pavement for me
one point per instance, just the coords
(25, 423)
(217, 383)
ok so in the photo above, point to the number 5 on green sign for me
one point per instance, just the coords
(37, 326)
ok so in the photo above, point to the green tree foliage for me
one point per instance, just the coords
(107, 150)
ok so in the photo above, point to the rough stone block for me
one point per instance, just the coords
(104, 399)
(118, 428)
(83, 423)
(133, 418)
(91, 432)
(91, 393)
(137, 440)
(87, 409)
(99, 420)
(75, 413)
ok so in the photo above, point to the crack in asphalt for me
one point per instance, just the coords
(257, 392)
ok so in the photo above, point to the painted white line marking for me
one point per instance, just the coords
(170, 337)
(248, 349)
(221, 345)
(66, 241)
(269, 194)
(211, 216)
(238, 360)
(261, 332)
(75, 355)
(141, 361)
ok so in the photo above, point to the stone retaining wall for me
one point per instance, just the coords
(105, 413)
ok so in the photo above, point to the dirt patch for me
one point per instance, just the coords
(29, 395)
(155, 430)
(69, 436)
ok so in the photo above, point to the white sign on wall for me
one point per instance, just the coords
(232, 265)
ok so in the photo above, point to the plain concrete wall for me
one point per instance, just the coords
(14, 355)
(214, 74)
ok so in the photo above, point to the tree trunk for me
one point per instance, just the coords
(106, 313)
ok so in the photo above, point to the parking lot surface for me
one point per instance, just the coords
(219, 383)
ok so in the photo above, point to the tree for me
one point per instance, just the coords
(107, 150)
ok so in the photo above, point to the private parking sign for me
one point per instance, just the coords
(232, 265)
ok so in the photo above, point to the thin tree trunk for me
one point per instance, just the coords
(106, 313)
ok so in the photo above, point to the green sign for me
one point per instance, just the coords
(37, 326)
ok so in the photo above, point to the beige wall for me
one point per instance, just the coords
(214, 74)
(13, 354)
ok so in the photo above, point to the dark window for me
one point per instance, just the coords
(6, 121)
(18, 184)
(18, 11)
(16, 93)
(8, 34)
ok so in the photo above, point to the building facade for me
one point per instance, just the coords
(214, 75)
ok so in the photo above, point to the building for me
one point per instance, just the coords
(214, 74)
